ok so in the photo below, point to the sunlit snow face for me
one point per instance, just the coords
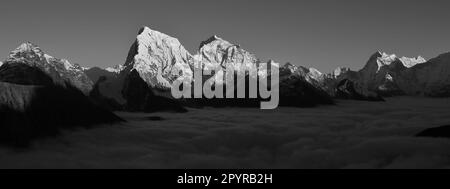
(387, 59)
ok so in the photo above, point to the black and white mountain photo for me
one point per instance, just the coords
(238, 84)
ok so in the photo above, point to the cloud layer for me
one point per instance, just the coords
(349, 135)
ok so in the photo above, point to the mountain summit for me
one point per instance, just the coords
(216, 51)
(158, 58)
(385, 59)
(61, 71)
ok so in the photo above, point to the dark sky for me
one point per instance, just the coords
(315, 33)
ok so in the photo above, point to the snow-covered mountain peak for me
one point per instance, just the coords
(410, 62)
(213, 39)
(292, 68)
(339, 71)
(158, 58)
(26, 49)
(150, 38)
(216, 41)
(60, 70)
(385, 59)
(115, 69)
(315, 72)
(216, 51)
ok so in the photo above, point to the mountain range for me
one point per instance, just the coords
(29, 77)
(157, 59)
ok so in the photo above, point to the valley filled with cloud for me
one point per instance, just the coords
(352, 134)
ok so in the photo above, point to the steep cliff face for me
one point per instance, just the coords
(216, 51)
(158, 58)
(144, 81)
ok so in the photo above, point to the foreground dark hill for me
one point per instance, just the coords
(35, 104)
(28, 112)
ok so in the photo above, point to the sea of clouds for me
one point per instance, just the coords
(351, 134)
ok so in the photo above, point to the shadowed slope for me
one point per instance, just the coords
(35, 109)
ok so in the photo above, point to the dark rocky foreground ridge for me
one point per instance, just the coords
(35, 103)
(29, 112)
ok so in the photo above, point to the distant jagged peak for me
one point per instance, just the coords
(115, 69)
(216, 51)
(315, 72)
(85, 68)
(288, 64)
(32, 52)
(291, 67)
(145, 30)
(215, 42)
(60, 70)
(147, 36)
(410, 62)
(214, 38)
(26, 48)
(386, 59)
(339, 71)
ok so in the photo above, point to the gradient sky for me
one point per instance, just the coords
(323, 34)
